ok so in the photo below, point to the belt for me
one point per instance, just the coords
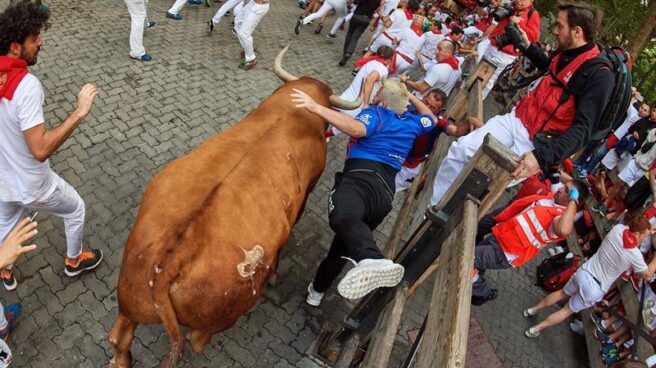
(405, 57)
(388, 36)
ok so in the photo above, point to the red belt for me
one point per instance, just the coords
(389, 37)
(405, 57)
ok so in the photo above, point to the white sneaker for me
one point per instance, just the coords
(532, 332)
(577, 327)
(368, 275)
(528, 312)
(314, 297)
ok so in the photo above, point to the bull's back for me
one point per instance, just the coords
(241, 188)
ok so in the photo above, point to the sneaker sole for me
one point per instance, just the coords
(360, 282)
(11, 287)
(526, 314)
(71, 274)
(312, 302)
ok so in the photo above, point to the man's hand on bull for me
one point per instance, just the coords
(528, 166)
(303, 100)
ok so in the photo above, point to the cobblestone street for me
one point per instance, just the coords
(150, 113)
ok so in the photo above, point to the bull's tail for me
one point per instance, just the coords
(162, 282)
(170, 322)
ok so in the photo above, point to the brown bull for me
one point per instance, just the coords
(212, 223)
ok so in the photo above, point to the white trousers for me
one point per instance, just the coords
(402, 65)
(223, 10)
(381, 40)
(405, 176)
(63, 201)
(252, 15)
(177, 6)
(501, 60)
(508, 129)
(481, 48)
(137, 9)
(612, 160)
(340, 9)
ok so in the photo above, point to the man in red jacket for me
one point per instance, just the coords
(548, 124)
(522, 230)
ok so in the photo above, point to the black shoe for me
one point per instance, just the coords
(318, 29)
(479, 300)
(332, 35)
(297, 28)
(344, 59)
(210, 26)
(355, 71)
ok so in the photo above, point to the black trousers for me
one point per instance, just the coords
(357, 205)
(357, 25)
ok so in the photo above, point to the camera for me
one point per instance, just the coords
(504, 11)
(511, 36)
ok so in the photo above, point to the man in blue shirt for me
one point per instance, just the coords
(381, 137)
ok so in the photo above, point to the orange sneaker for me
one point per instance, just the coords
(8, 279)
(87, 260)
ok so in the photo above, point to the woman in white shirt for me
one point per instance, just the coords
(618, 253)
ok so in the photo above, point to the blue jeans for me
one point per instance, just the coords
(596, 158)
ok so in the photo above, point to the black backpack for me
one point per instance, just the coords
(554, 272)
(616, 59)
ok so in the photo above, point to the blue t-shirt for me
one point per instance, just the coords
(389, 136)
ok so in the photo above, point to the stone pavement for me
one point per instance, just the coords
(147, 115)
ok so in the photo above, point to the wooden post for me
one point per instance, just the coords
(347, 354)
(382, 339)
(444, 343)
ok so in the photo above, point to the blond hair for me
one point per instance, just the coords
(396, 95)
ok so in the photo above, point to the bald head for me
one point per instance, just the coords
(444, 50)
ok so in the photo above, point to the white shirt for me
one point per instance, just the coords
(22, 177)
(389, 6)
(353, 91)
(409, 43)
(399, 22)
(612, 259)
(631, 117)
(442, 76)
(429, 41)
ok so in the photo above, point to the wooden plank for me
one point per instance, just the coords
(382, 341)
(494, 160)
(348, 353)
(457, 108)
(591, 341)
(475, 108)
(444, 343)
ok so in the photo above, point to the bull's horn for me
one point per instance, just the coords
(345, 105)
(277, 66)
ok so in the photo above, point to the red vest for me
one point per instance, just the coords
(523, 231)
(542, 102)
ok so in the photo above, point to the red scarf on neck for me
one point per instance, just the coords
(409, 14)
(630, 239)
(358, 64)
(452, 62)
(436, 30)
(12, 72)
(418, 30)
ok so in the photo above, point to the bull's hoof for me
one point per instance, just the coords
(198, 339)
(121, 362)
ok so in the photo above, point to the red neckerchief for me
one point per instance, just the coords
(366, 59)
(409, 14)
(391, 66)
(418, 31)
(437, 30)
(12, 72)
(452, 62)
(630, 239)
